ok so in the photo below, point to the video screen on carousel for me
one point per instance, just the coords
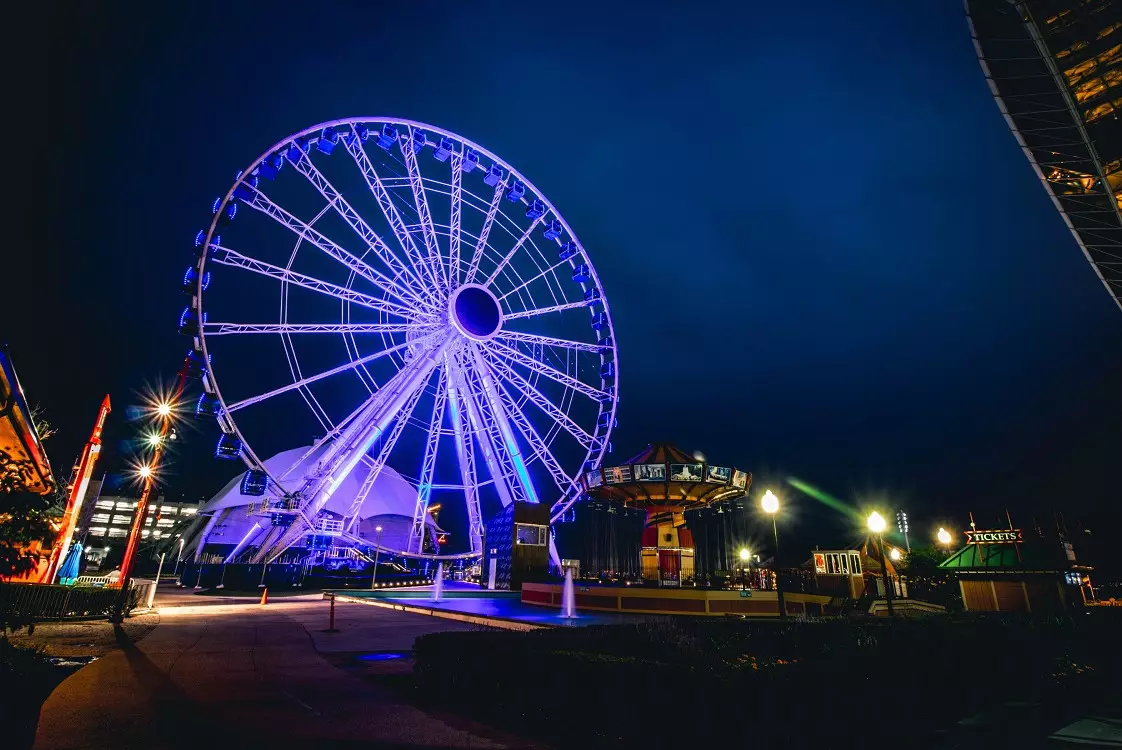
(740, 479)
(617, 474)
(685, 472)
(718, 474)
(650, 472)
(593, 479)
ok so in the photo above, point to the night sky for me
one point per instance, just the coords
(826, 255)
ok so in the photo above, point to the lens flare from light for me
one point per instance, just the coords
(875, 522)
(770, 503)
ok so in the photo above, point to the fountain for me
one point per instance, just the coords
(438, 584)
(568, 597)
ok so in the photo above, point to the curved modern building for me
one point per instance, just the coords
(228, 525)
(1055, 70)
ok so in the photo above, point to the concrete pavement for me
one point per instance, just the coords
(217, 675)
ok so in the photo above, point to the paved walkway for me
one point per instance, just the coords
(221, 674)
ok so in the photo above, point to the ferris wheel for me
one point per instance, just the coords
(411, 301)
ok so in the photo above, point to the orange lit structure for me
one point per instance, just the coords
(1053, 67)
(73, 510)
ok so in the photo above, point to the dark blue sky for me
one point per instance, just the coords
(825, 253)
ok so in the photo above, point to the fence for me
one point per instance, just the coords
(22, 603)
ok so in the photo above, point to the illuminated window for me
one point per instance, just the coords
(121, 519)
(166, 522)
(530, 534)
(125, 506)
(188, 511)
(104, 504)
(854, 564)
(100, 518)
(118, 532)
(145, 533)
(97, 531)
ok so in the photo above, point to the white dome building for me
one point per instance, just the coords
(225, 522)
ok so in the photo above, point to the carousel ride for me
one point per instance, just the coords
(420, 317)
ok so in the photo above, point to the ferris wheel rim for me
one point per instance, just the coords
(229, 423)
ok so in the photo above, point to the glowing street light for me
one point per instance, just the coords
(894, 553)
(144, 471)
(745, 555)
(164, 409)
(770, 503)
(876, 525)
(944, 537)
(153, 439)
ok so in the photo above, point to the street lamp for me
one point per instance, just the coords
(770, 504)
(894, 553)
(944, 537)
(876, 525)
(377, 549)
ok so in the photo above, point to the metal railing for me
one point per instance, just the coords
(22, 603)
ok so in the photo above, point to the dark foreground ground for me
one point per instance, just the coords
(941, 682)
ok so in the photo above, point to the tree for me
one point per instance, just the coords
(25, 518)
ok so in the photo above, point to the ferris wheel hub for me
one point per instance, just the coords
(475, 312)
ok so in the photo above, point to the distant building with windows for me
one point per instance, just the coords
(106, 519)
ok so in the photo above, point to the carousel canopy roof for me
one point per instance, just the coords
(23, 462)
(662, 474)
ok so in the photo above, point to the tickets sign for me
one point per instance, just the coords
(996, 536)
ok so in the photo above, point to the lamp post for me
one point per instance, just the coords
(770, 504)
(179, 556)
(944, 539)
(876, 525)
(377, 549)
(164, 408)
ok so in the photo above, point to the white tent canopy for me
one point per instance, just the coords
(392, 498)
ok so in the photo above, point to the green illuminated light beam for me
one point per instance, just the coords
(826, 499)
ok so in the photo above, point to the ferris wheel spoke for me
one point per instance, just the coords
(374, 182)
(454, 224)
(535, 441)
(228, 257)
(529, 338)
(379, 462)
(420, 199)
(527, 282)
(485, 232)
(227, 329)
(545, 310)
(428, 466)
(465, 454)
(541, 368)
(512, 252)
(335, 199)
(541, 401)
(262, 203)
(320, 376)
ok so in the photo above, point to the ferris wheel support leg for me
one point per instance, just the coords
(490, 392)
(465, 453)
(354, 443)
(428, 467)
(486, 443)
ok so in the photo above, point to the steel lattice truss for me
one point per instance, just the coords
(1055, 70)
(431, 310)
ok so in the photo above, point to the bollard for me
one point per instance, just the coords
(331, 623)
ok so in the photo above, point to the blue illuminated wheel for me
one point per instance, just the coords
(404, 298)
